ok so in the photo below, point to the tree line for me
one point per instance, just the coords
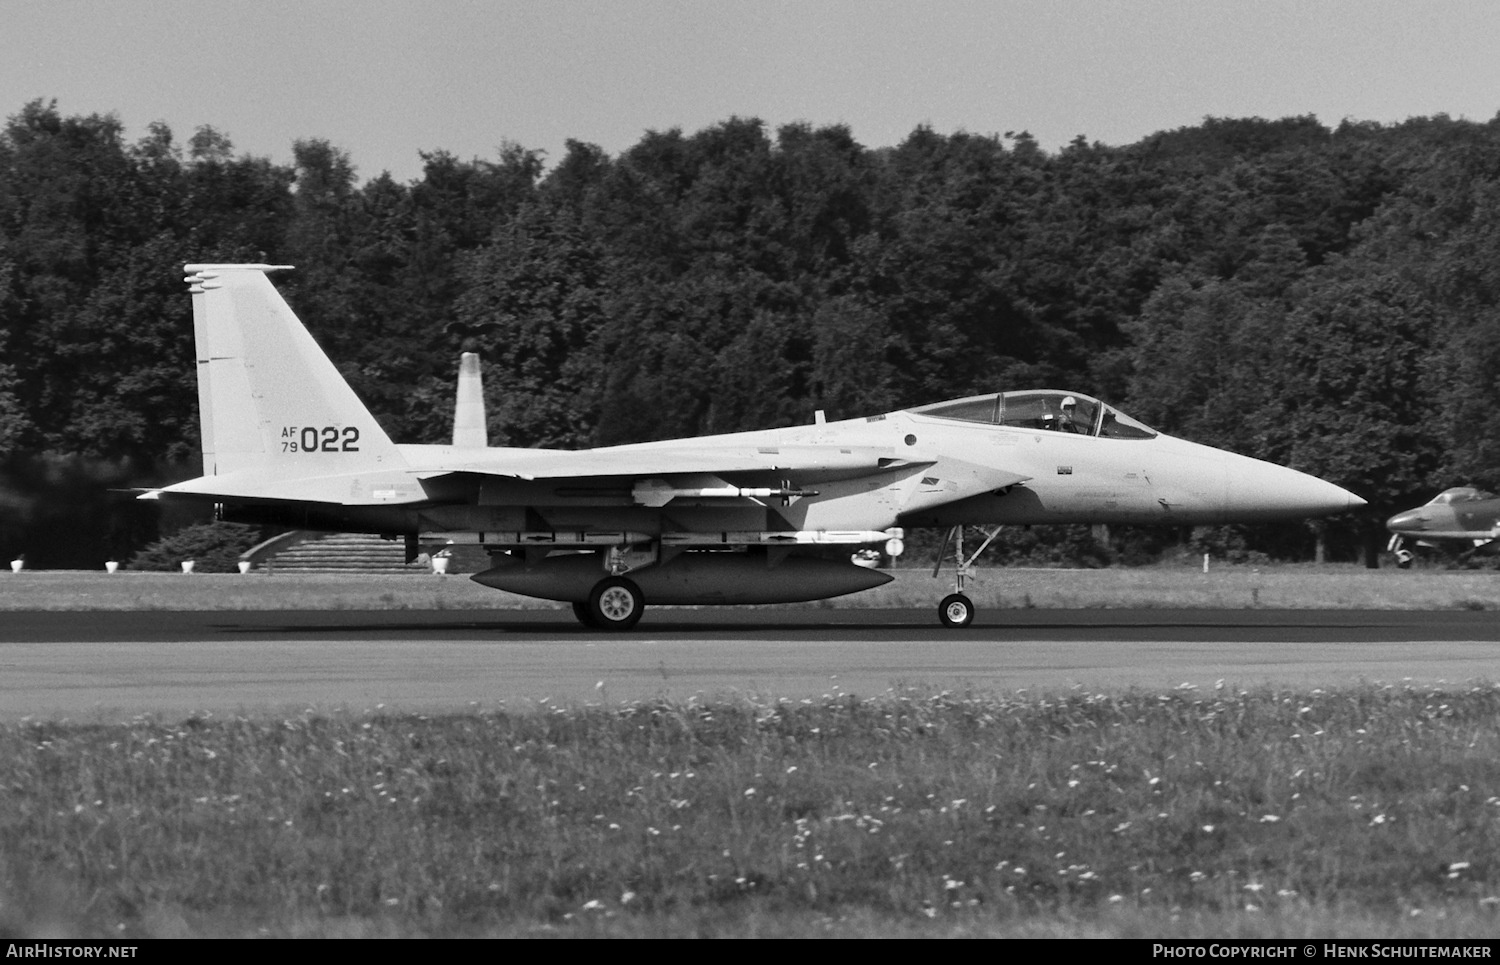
(1325, 298)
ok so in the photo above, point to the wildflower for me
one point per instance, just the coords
(1269, 819)
(594, 905)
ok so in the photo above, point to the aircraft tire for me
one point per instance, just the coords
(956, 610)
(585, 617)
(615, 604)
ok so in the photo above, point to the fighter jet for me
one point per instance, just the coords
(769, 516)
(1458, 520)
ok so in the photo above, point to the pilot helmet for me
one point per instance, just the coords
(1069, 402)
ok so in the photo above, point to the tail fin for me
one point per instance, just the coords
(268, 397)
(469, 429)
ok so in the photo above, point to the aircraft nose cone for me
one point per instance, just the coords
(1409, 521)
(1268, 491)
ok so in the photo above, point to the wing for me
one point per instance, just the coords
(809, 462)
(655, 475)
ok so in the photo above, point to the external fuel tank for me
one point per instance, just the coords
(689, 578)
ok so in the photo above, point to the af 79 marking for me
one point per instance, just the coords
(319, 439)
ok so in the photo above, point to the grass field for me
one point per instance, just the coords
(1372, 812)
(1290, 587)
(1368, 812)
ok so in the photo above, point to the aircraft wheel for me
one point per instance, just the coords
(1403, 564)
(615, 604)
(956, 610)
(581, 611)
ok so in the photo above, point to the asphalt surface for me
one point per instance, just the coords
(116, 665)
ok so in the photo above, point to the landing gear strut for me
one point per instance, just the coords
(957, 610)
(1404, 556)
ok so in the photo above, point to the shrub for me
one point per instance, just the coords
(214, 548)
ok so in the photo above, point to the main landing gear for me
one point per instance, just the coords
(614, 603)
(957, 610)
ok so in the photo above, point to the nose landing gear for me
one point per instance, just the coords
(1404, 556)
(957, 610)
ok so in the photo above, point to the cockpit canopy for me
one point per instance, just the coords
(1460, 494)
(1049, 409)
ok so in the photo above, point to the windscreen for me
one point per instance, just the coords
(1462, 494)
(1048, 410)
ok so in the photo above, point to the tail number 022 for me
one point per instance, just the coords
(319, 439)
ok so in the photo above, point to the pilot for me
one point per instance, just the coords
(1069, 421)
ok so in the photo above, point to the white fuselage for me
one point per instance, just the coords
(941, 472)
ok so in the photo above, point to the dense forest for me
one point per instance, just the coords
(1328, 299)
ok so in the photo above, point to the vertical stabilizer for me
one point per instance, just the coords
(268, 397)
(469, 429)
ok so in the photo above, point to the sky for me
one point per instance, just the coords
(385, 80)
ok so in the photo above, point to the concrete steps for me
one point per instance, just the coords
(344, 553)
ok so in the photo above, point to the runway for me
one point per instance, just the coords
(116, 665)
